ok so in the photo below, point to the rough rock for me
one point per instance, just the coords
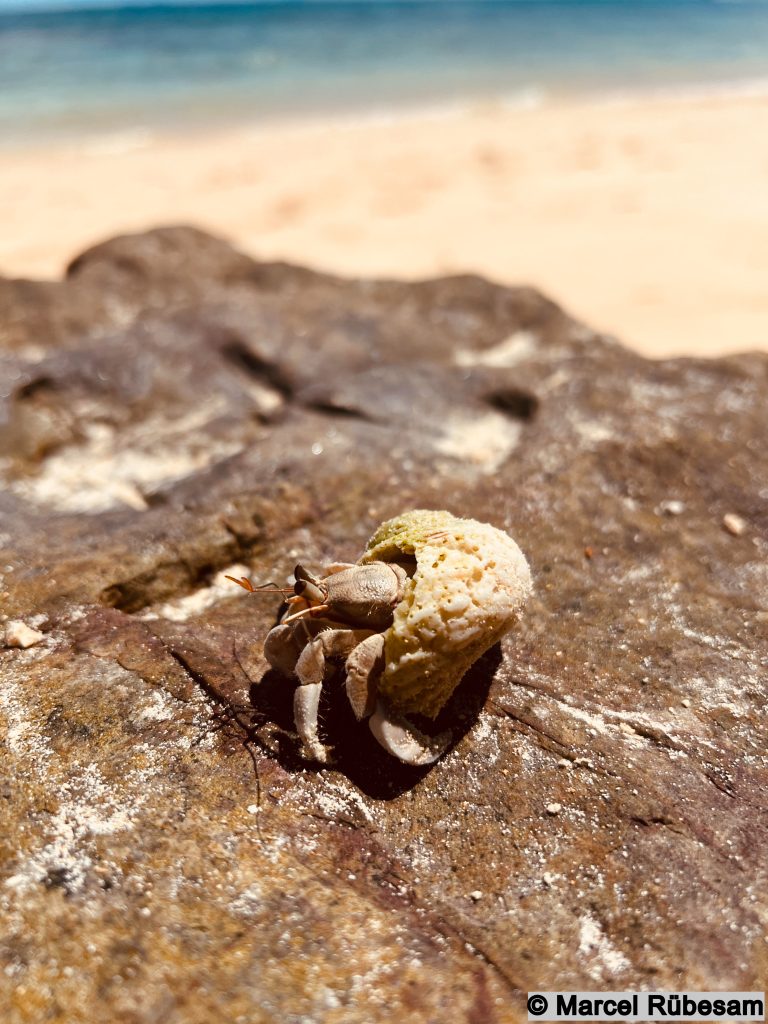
(173, 411)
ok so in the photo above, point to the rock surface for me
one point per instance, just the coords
(172, 411)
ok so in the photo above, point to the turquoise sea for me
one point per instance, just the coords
(113, 69)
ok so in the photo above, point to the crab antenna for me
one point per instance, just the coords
(263, 588)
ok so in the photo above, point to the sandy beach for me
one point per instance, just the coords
(648, 218)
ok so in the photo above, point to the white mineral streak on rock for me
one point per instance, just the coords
(106, 470)
(512, 350)
(87, 807)
(485, 441)
(594, 945)
(470, 582)
(84, 804)
(340, 797)
(160, 708)
(21, 737)
(593, 432)
(184, 608)
(249, 902)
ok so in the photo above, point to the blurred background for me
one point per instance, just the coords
(612, 153)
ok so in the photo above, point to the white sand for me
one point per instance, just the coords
(648, 218)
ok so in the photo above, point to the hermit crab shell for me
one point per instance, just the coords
(469, 584)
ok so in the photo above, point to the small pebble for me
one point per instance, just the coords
(685, 702)
(734, 524)
(563, 763)
(476, 895)
(19, 634)
(548, 878)
(554, 808)
(252, 808)
(672, 508)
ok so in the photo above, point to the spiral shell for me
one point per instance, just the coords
(469, 584)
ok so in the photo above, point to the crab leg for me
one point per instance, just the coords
(364, 667)
(311, 670)
(402, 739)
(306, 701)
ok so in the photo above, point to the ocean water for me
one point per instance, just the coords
(118, 70)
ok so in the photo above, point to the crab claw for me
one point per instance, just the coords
(403, 740)
(306, 701)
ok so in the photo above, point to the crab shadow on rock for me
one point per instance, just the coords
(356, 753)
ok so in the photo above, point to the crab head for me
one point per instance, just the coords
(363, 596)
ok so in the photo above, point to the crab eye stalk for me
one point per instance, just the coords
(308, 587)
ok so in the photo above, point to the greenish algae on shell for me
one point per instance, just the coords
(470, 582)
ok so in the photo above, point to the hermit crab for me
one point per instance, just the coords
(430, 594)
